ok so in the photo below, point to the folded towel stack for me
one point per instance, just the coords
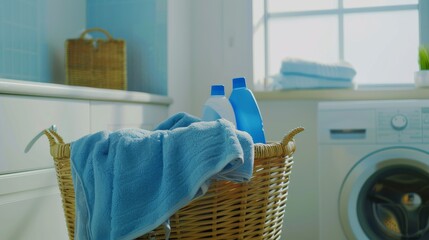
(300, 74)
(130, 181)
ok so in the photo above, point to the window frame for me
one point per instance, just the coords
(422, 6)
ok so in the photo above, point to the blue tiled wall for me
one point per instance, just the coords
(143, 25)
(23, 51)
(32, 35)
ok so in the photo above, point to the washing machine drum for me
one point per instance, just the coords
(394, 204)
(386, 197)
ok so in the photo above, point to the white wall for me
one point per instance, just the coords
(179, 55)
(209, 42)
(64, 20)
(221, 40)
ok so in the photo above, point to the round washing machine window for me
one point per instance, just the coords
(386, 196)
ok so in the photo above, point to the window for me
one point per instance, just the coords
(379, 38)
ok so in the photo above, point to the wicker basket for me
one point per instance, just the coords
(96, 62)
(252, 210)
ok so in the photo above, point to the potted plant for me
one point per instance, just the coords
(422, 77)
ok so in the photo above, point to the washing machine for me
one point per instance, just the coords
(373, 169)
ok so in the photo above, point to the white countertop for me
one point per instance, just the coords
(17, 87)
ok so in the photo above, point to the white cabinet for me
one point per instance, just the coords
(30, 202)
(23, 117)
(30, 206)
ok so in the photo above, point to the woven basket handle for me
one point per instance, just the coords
(109, 37)
(288, 141)
(53, 137)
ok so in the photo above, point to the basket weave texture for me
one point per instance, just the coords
(252, 210)
(96, 62)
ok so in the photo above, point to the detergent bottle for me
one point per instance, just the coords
(218, 106)
(246, 110)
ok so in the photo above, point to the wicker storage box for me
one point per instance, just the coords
(96, 62)
(252, 210)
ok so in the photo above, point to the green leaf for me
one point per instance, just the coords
(423, 58)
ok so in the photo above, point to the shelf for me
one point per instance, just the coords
(17, 87)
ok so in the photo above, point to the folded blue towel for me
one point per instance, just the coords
(287, 82)
(130, 181)
(341, 71)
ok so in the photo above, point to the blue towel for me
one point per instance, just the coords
(341, 71)
(180, 119)
(241, 174)
(130, 181)
(286, 82)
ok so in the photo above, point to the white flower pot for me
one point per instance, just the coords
(421, 78)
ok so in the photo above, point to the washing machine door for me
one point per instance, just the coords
(386, 196)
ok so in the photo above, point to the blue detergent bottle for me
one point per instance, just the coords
(247, 114)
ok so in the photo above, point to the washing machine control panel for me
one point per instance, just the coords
(409, 125)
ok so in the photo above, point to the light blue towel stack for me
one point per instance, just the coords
(301, 74)
(130, 181)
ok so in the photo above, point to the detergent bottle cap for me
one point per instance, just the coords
(239, 82)
(218, 90)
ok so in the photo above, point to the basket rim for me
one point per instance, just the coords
(286, 147)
